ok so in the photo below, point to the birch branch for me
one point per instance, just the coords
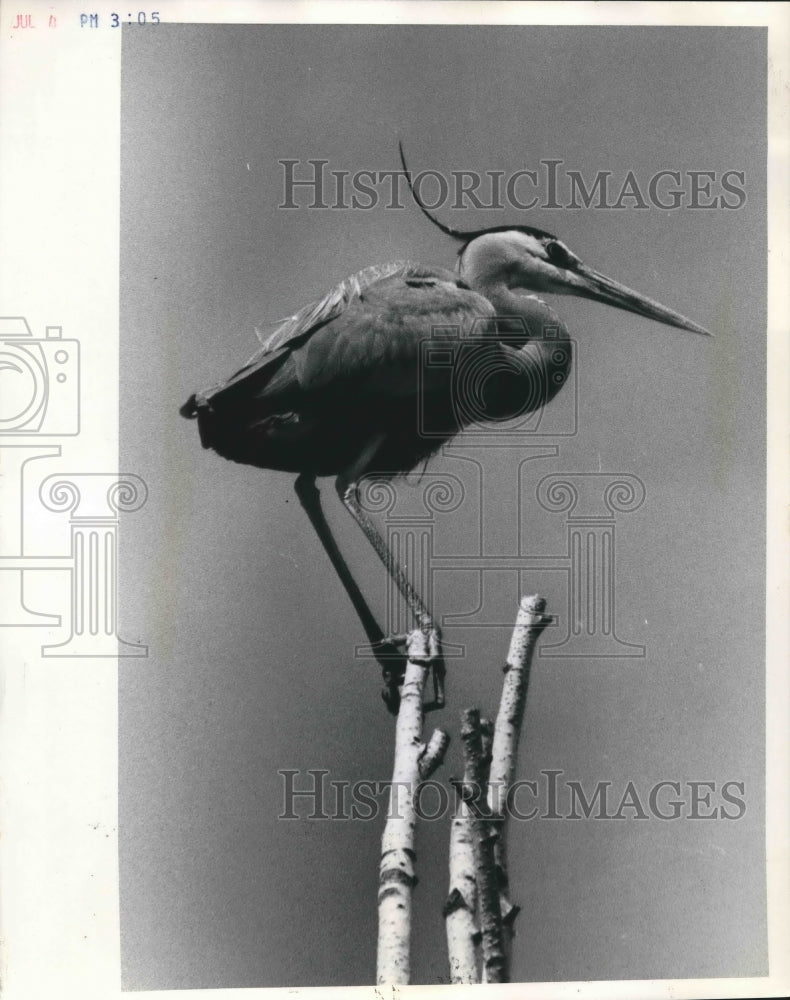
(414, 761)
(461, 905)
(486, 744)
(460, 908)
(483, 838)
(530, 622)
(433, 753)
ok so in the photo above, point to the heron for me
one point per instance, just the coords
(345, 388)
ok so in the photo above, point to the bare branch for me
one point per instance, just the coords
(433, 753)
(396, 871)
(460, 908)
(486, 743)
(530, 622)
(484, 837)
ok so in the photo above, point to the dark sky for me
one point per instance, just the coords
(252, 664)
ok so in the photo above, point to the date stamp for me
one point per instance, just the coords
(27, 21)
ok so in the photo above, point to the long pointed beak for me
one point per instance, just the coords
(592, 285)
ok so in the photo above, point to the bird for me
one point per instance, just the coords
(346, 387)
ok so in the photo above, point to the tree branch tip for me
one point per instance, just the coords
(433, 752)
(533, 604)
(509, 916)
(470, 720)
(438, 743)
(532, 609)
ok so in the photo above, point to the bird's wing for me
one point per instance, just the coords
(372, 319)
(374, 345)
(315, 314)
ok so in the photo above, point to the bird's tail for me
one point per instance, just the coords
(190, 408)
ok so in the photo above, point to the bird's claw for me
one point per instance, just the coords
(437, 675)
(390, 647)
(391, 652)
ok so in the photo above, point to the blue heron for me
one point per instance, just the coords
(341, 388)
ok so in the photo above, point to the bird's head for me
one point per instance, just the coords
(532, 260)
(536, 261)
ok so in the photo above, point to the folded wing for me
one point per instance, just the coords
(364, 336)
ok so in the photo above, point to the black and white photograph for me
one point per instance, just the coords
(394, 570)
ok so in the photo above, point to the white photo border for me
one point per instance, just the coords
(60, 135)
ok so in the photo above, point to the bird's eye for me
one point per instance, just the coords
(558, 254)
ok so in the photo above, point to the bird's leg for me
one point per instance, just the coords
(390, 656)
(348, 491)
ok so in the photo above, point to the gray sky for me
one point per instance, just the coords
(251, 666)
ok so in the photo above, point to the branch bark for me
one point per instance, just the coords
(460, 908)
(414, 762)
(530, 622)
(483, 840)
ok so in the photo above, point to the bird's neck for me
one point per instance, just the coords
(528, 324)
(541, 321)
(510, 303)
(485, 275)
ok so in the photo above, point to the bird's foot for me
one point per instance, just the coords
(390, 647)
(391, 653)
(434, 661)
(438, 671)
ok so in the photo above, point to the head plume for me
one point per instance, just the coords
(465, 235)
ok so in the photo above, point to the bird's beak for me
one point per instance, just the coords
(590, 284)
